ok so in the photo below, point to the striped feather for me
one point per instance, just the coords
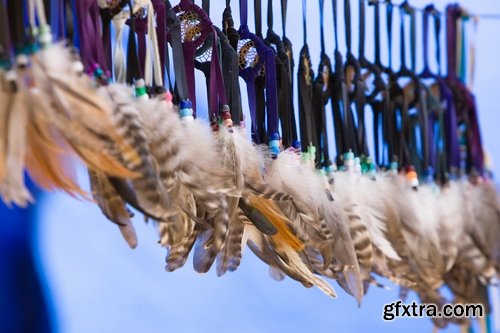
(360, 238)
(204, 252)
(230, 257)
(136, 155)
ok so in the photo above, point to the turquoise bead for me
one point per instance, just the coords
(185, 112)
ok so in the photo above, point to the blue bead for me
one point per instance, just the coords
(275, 150)
(186, 104)
(274, 136)
(185, 112)
(348, 156)
(274, 144)
(296, 144)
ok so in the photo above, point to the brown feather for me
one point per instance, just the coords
(50, 169)
(112, 205)
(273, 213)
(13, 189)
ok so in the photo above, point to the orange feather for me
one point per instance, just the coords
(274, 214)
(48, 166)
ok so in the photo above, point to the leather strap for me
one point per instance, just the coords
(174, 29)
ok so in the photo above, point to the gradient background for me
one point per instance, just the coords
(96, 284)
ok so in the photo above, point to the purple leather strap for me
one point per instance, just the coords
(249, 73)
(189, 47)
(217, 93)
(271, 93)
(89, 27)
(140, 30)
(266, 58)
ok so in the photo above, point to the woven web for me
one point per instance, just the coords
(205, 56)
(190, 26)
(247, 53)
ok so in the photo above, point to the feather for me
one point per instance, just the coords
(179, 245)
(346, 187)
(276, 274)
(6, 95)
(48, 158)
(13, 189)
(79, 112)
(178, 254)
(136, 155)
(484, 226)
(221, 225)
(281, 256)
(177, 168)
(48, 168)
(55, 72)
(257, 218)
(451, 224)
(230, 257)
(303, 186)
(264, 191)
(204, 253)
(273, 214)
(316, 219)
(112, 205)
(377, 213)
